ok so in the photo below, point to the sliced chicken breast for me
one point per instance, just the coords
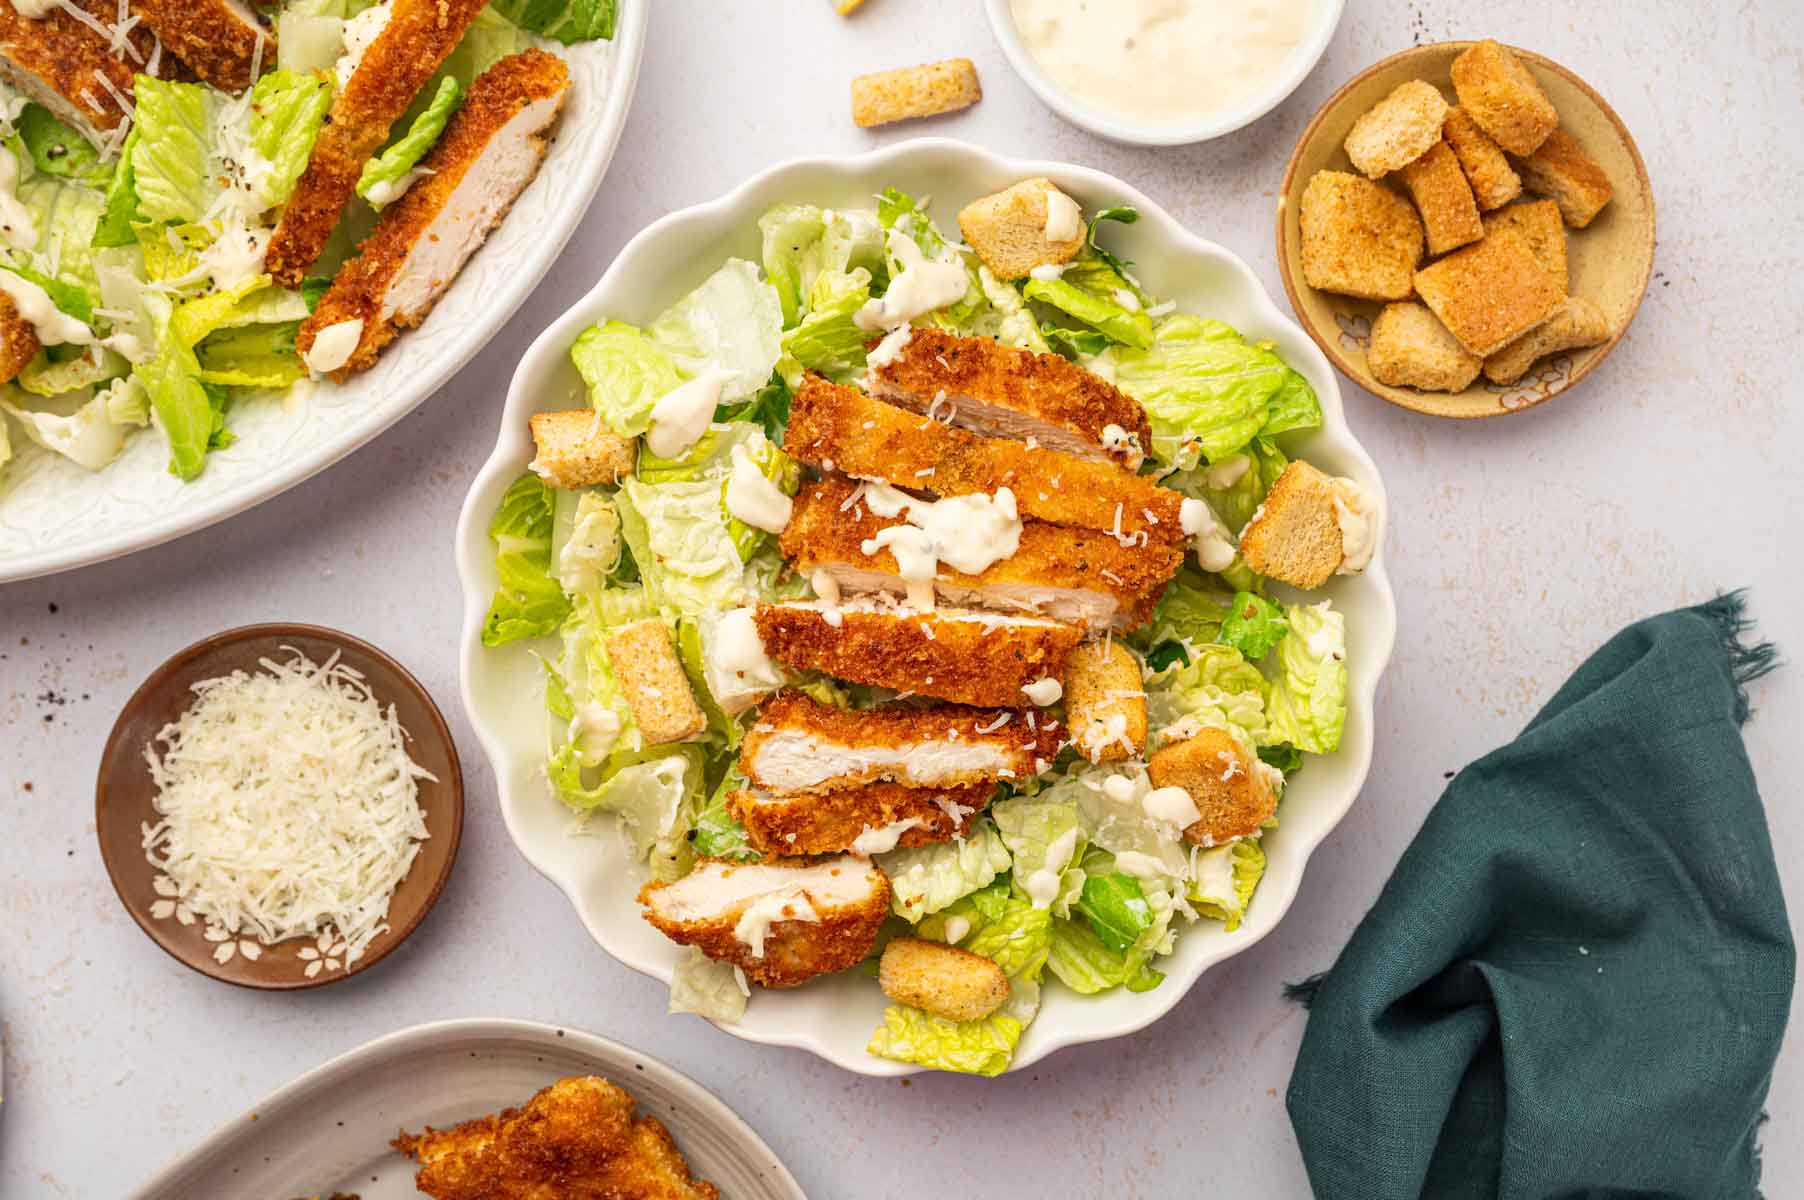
(1000, 391)
(411, 47)
(489, 153)
(1073, 575)
(78, 67)
(799, 745)
(18, 341)
(222, 41)
(865, 820)
(869, 439)
(782, 921)
(961, 655)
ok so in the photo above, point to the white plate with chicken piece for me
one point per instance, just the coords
(56, 514)
(834, 1015)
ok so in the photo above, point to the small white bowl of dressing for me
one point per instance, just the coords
(1163, 72)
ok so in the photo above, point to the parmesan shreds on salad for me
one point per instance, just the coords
(289, 808)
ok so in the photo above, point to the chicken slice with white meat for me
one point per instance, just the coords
(78, 67)
(489, 153)
(222, 41)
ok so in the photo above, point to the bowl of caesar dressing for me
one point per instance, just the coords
(1163, 72)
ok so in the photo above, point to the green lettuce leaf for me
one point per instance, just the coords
(733, 321)
(177, 124)
(801, 242)
(191, 416)
(65, 216)
(1045, 847)
(586, 543)
(1224, 878)
(59, 151)
(85, 432)
(1191, 611)
(43, 376)
(1218, 688)
(678, 535)
(287, 110)
(528, 601)
(402, 155)
(121, 211)
(707, 988)
(1081, 961)
(627, 374)
(897, 210)
(972, 1047)
(1094, 292)
(1308, 704)
(1235, 502)
(1253, 626)
(1116, 908)
(718, 833)
(567, 21)
(926, 879)
(828, 340)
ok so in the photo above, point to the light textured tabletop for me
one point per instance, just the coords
(1516, 545)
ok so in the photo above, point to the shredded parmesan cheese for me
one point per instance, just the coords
(288, 808)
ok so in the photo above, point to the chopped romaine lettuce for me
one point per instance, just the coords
(828, 341)
(718, 833)
(121, 211)
(1223, 879)
(1191, 611)
(1308, 703)
(1253, 626)
(707, 988)
(585, 540)
(733, 321)
(678, 535)
(43, 376)
(568, 21)
(802, 242)
(1218, 687)
(626, 372)
(287, 110)
(1116, 908)
(382, 176)
(1094, 292)
(60, 151)
(171, 164)
(528, 601)
(1045, 846)
(928, 878)
(86, 433)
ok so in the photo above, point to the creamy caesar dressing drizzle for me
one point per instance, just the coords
(361, 31)
(681, 415)
(738, 669)
(1357, 515)
(333, 346)
(1047, 272)
(753, 498)
(1162, 61)
(919, 288)
(786, 904)
(1213, 549)
(16, 225)
(53, 326)
(827, 588)
(1064, 219)
(1172, 805)
(386, 191)
(1219, 477)
(1042, 886)
(883, 839)
(1044, 691)
(594, 728)
(970, 534)
(890, 348)
(956, 929)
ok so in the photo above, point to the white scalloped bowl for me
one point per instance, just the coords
(54, 515)
(835, 1017)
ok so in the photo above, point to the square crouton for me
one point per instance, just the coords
(1444, 198)
(1561, 170)
(1105, 702)
(1359, 237)
(1411, 348)
(1490, 293)
(1503, 97)
(1295, 536)
(650, 673)
(908, 92)
(1233, 797)
(1575, 324)
(1032, 224)
(1398, 129)
(1538, 221)
(1494, 182)
(576, 450)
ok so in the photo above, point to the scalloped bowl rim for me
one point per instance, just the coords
(1370, 643)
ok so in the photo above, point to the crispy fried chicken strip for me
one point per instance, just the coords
(218, 39)
(575, 1140)
(59, 60)
(419, 35)
(489, 153)
(1073, 575)
(869, 439)
(782, 921)
(831, 822)
(960, 655)
(18, 341)
(800, 745)
(1001, 391)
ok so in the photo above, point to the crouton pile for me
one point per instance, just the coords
(1472, 276)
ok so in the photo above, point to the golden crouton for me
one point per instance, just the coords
(1295, 535)
(650, 673)
(1494, 182)
(944, 980)
(1399, 129)
(1576, 323)
(924, 91)
(1105, 702)
(1503, 97)
(1410, 348)
(1538, 221)
(1490, 293)
(1359, 237)
(1444, 198)
(1012, 230)
(1573, 179)
(576, 450)
(1230, 791)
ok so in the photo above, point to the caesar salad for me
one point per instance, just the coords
(205, 203)
(908, 603)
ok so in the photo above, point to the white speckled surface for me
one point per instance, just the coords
(1517, 545)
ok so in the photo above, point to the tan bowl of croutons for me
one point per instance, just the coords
(1466, 229)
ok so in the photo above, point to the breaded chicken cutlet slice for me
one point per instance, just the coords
(1001, 391)
(961, 655)
(782, 921)
(835, 822)
(800, 745)
(18, 340)
(72, 68)
(420, 34)
(870, 439)
(222, 41)
(575, 1140)
(492, 149)
(1073, 575)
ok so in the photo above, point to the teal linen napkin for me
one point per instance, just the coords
(1575, 983)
